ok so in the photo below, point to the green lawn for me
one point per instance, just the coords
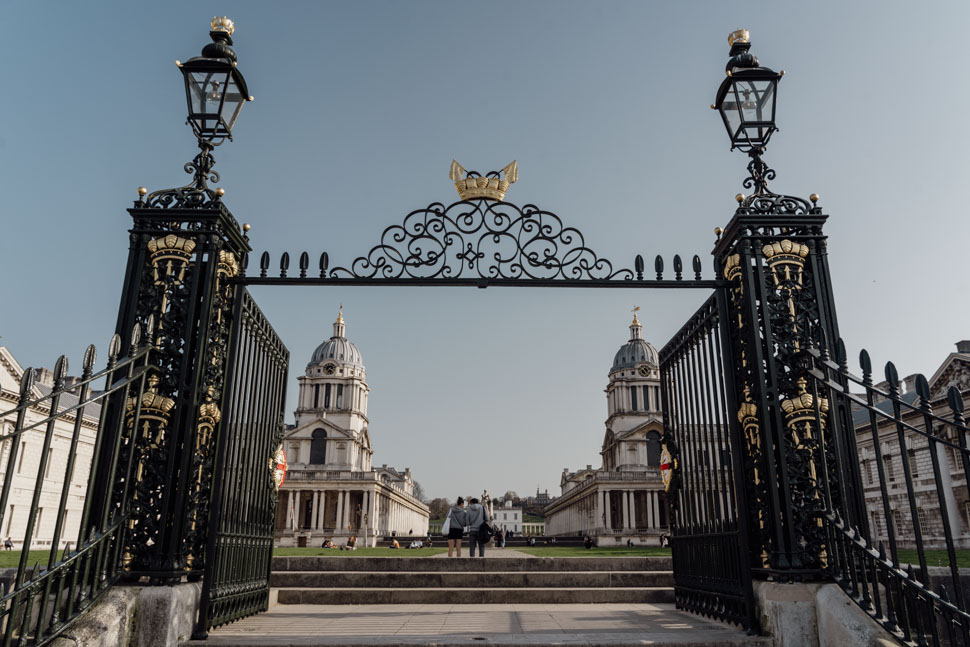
(579, 551)
(934, 557)
(380, 551)
(11, 558)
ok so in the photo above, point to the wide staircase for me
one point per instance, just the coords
(498, 580)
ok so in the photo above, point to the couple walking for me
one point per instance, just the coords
(475, 518)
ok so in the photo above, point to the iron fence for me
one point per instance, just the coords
(43, 599)
(245, 494)
(708, 530)
(917, 603)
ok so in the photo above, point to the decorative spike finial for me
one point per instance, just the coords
(636, 309)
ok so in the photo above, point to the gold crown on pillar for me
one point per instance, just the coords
(171, 246)
(802, 408)
(471, 187)
(228, 264)
(221, 23)
(152, 403)
(786, 252)
(209, 413)
(732, 267)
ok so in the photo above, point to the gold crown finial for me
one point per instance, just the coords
(340, 314)
(473, 185)
(636, 309)
(221, 23)
(739, 36)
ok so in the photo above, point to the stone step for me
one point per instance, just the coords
(467, 564)
(544, 595)
(464, 580)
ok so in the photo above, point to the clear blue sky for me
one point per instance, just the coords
(360, 108)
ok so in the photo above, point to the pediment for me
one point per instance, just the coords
(955, 371)
(305, 431)
(11, 372)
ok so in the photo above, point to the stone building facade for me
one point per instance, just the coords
(331, 490)
(13, 523)
(915, 450)
(624, 499)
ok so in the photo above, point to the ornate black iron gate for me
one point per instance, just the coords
(240, 541)
(709, 535)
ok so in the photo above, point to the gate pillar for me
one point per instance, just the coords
(773, 257)
(184, 246)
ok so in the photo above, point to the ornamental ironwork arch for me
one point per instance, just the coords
(479, 241)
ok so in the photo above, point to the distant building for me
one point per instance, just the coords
(331, 490)
(625, 498)
(508, 518)
(915, 450)
(14, 518)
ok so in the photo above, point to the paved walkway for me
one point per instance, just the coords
(496, 625)
(491, 552)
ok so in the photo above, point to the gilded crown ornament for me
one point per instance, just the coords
(152, 404)
(228, 264)
(170, 255)
(732, 267)
(802, 407)
(473, 186)
(222, 23)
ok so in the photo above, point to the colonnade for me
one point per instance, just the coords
(594, 511)
(381, 512)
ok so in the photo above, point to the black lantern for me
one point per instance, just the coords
(214, 88)
(746, 98)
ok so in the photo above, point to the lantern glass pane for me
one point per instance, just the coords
(757, 100)
(233, 103)
(731, 109)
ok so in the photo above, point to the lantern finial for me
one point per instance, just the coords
(739, 36)
(221, 23)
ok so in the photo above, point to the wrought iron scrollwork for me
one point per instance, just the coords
(195, 195)
(763, 201)
(483, 238)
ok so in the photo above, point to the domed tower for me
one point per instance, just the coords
(634, 424)
(333, 401)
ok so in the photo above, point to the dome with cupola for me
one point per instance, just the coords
(636, 351)
(338, 348)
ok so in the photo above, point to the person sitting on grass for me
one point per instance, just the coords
(351, 543)
(417, 543)
(394, 544)
(588, 542)
(328, 544)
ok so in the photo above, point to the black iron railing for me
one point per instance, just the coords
(708, 532)
(245, 492)
(880, 528)
(100, 409)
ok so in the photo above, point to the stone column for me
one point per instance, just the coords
(340, 509)
(315, 509)
(289, 511)
(626, 509)
(374, 520)
(609, 510)
(600, 509)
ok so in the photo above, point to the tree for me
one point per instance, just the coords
(439, 507)
(418, 492)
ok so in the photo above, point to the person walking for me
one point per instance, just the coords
(456, 520)
(477, 515)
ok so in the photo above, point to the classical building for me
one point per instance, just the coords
(915, 450)
(623, 499)
(30, 451)
(508, 518)
(331, 490)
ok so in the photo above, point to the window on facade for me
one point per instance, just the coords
(876, 524)
(921, 517)
(326, 397)
(23, 452)
(10, 521)
(647, 406)
(897, 521)
(318, 447)
(867, 471)
(40, 515)
(913, 469)
(888, 460)
(653, 449)
(316, 396)
(633, 396)
(50, 461)
(340, 396)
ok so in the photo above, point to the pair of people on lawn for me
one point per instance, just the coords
(472, 518)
